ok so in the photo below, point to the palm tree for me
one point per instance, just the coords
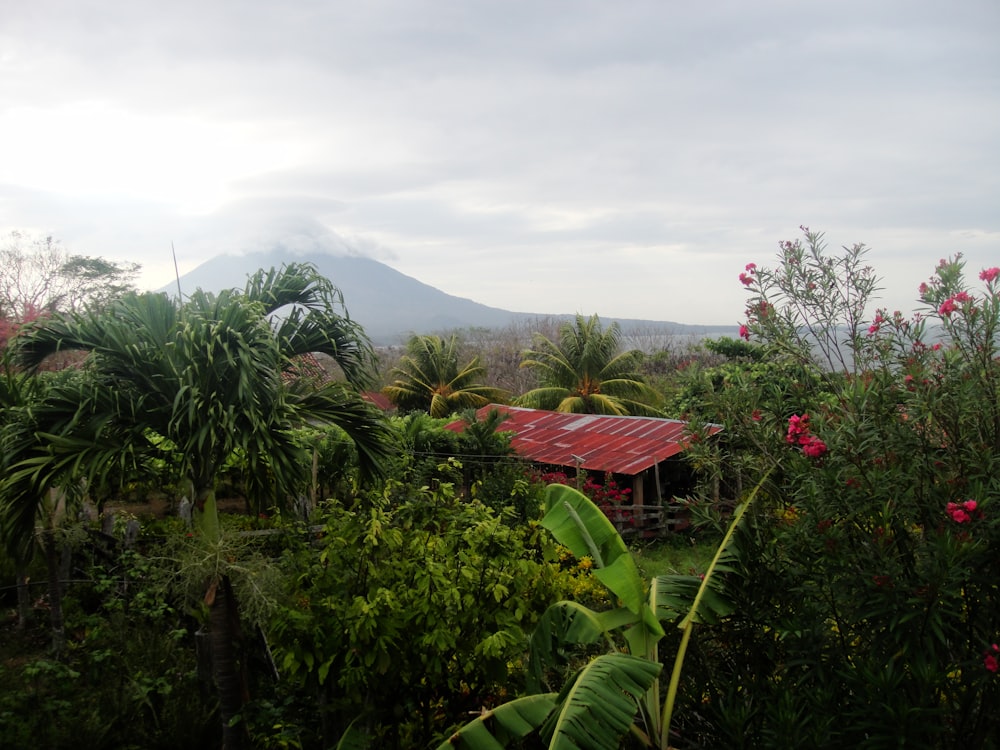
(586, 372)
(17, 393)
(200, 381)
(428, 378)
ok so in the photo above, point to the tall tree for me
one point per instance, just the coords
(203, 381)
(428, 378)
(586, 372)
(37, 274)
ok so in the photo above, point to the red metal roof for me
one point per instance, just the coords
(379, 399)
(623, 445)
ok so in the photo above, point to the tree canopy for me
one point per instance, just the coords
(37, 274)
(587, 372)
(429, 378)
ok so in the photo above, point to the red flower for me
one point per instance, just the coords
(797, 428)
(744, 333)
(745, 279)
(798, 434)
(815, 448)
(948, 306)
(876, 324)
(990, 660)
(962, 512)
(989, 274)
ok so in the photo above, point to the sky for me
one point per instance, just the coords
(624, 158)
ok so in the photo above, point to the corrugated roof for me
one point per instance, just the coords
(379, 399)
(623, 445)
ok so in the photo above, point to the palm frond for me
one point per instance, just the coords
(366, 426)
(429, 378)
(585, 372)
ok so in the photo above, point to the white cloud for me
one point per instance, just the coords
(551, 156)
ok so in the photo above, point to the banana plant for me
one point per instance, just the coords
(618, 692)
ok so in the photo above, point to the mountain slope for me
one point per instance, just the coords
(388, 304)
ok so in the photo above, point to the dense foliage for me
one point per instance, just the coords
(853, 603)
(406, 613)
(867, 607)
(429, 378)
(586, 371)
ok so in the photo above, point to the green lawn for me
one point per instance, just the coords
(676, 554)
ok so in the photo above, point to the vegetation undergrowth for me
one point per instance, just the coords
(856, 603)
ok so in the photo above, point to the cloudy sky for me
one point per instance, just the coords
(551, 156)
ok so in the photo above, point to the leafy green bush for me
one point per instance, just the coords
(407, 611)
(867, 601)
(128, 678)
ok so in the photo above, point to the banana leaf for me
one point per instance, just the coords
(495, 728)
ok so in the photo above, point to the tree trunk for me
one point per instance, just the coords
(23, 597)
(224, 633)
(52, 559)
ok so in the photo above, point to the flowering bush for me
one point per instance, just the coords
(607, 496)
(798, 434)
(991, 657)
(867, 590)
(963, 512)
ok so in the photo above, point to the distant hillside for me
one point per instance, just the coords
(388, 304)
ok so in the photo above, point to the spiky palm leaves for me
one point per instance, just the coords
(199, 382)
(203, 380)
(428, 378)
(586, 372)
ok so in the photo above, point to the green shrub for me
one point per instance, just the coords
(867, 599)
(128, 678)
(408, 611)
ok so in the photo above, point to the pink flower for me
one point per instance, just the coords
(752, 267)
(798, 427)
(924, 289)
(948, 306)
(962, 512)
(798, 434)
(958, 515)
(989, 274)
(876, 324)
(745, 279)
(815, 448)
(744, 333)
(990, 660)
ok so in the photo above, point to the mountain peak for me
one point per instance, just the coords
(388, 304)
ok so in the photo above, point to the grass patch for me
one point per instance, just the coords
(675, 554)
